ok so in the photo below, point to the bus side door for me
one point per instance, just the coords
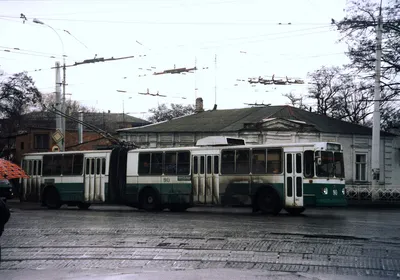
(205, 179)
(94, 179)
(294, 179)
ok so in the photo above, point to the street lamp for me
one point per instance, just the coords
(60, 120)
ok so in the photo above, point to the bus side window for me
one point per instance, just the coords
(195, 165)
(216, 164)
(34, 169)
(170, 163)
(67, 164)
(309, 164)
(209, 162)
(47, 165)
(156, 164)
(89, 166)
(242, 161)
(274, 161)
(259, 161)
(202, 165)
(228, 162)
(57, 165)
(39, 167)
(98, 166)
(144, 163)
(183, 163)
(77, 166)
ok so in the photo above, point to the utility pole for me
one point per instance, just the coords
(377, 96)
(58, 96)
(63, 109)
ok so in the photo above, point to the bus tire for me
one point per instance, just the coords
(149, 200)
(51, 198)
(268, 201)
(295, 211)
(83, 205)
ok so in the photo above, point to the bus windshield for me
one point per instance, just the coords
(331, 165)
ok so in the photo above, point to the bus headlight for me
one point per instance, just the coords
(324, 191)
(343, 191)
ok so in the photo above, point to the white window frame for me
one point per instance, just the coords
(358, 165)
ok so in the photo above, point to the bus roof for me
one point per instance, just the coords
(271, 145)
(68, 152)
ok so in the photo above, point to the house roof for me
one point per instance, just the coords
(234, 120)
(105, 121)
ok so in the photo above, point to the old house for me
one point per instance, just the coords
(278, 124)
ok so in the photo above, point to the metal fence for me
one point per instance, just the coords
(368, 194)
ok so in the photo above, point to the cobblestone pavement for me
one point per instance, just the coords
(341, 242)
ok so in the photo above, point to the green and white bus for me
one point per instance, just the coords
(217, 171)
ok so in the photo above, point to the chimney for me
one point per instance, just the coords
(109, 111)
(199, 105)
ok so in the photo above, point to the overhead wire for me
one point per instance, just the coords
(176, 22)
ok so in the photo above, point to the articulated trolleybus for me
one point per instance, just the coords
(217, 171)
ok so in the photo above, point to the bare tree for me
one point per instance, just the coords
(325, 85)
(340, 95)
(295, 101)
(163, 113)
(72, 106)
(358, 29)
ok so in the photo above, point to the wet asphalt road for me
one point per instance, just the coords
(342, 243)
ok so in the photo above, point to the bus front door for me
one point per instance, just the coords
(94, 179)
(205, 179)
(294, 180)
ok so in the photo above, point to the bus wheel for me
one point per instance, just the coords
(83, 205)
(149, 200)
(295, 211)
(178, 208)
(52, 198)
(268, 202)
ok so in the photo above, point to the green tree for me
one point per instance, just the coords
(18, 95)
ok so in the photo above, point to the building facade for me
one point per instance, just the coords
(279, 124)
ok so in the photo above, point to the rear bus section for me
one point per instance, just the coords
(72, 178)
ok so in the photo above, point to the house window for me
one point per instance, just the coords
(41, 141)
(361, 167)
(22, 145)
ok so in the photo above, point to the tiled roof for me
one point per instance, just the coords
(234, 120)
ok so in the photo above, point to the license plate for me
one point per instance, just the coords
(334, 192)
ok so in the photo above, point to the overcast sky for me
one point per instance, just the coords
(244, 36)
